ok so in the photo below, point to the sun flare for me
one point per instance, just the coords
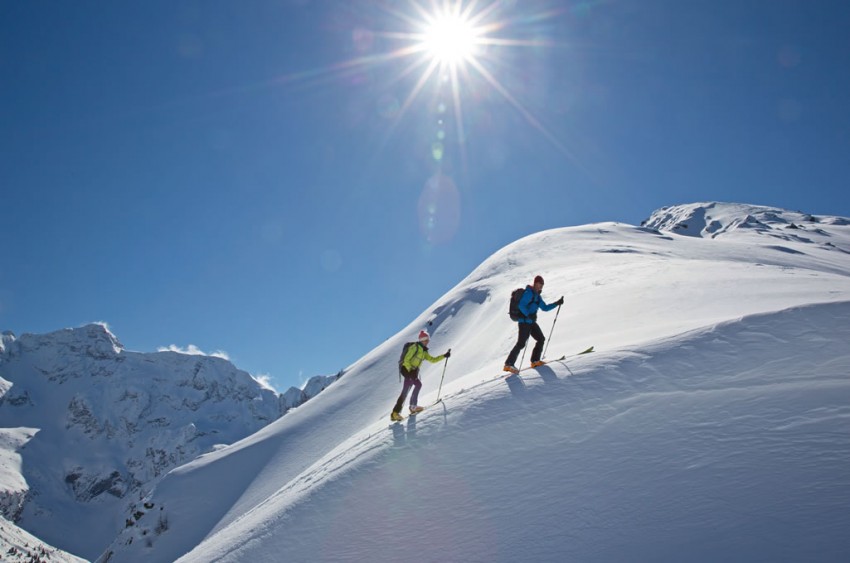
(451, 39)
(458, 54)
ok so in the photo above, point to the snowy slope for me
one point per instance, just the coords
(712, 422)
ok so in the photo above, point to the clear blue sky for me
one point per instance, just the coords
(257, 177)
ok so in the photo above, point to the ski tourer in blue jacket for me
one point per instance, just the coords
(530, 302)
(528, 305)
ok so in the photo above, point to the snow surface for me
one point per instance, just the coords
(712, 423)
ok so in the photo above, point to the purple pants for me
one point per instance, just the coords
(410, 380)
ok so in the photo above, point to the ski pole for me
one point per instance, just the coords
(524, 348)
(440, 390)
(551, 331)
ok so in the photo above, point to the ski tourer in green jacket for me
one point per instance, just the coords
(416, 353)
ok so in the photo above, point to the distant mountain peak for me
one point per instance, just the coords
(715, 219)
(94, 340)
(6, 339)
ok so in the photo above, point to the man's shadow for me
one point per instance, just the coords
(547, 374)
(515, 384)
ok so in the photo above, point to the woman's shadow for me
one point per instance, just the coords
(404, 434)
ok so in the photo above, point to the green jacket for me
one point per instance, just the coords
(416, 354)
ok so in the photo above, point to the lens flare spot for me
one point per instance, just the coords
(272, 232)
(331, 260)
(789, 110)
(363, 39)
(439, 210)
(388, 107)
(190, 46)
(437, 150)
(789, 56)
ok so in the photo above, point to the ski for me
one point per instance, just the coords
(510, 373)
(562, 358)
(544, 362)
(504, 375)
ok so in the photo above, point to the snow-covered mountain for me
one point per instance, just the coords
(712, 220)
(17, 545)
(87, 427)
(712, 423)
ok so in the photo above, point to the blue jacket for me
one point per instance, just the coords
(529, 303)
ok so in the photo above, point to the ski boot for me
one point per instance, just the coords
(396, 417)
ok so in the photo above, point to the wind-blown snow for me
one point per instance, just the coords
(712, 423)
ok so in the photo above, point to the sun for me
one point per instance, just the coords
(451, 39)
(453, 55)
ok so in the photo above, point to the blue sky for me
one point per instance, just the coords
(274, 179)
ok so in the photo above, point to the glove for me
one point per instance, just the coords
(560, 301)
(448, 354)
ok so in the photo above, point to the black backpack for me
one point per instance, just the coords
(513, 311)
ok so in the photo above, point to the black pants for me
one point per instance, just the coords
(526, 330)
